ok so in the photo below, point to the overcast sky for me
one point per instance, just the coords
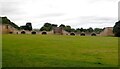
(76, 13)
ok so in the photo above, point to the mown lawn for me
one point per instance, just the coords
(59, 51)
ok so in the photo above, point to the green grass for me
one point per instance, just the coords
(59, 51)
(0, 51)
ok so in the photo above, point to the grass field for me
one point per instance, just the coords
(59, 51)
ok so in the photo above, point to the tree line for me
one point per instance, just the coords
(49, 27)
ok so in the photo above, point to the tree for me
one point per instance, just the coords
(90, 29)
(72, 30)
(62, 26)
(54, 25)
(116, 29)
(5, 20)
(42, 29)
(77, 30)
(29, 26)
(84, 30)
(14, 25)
(23, 27)
(98, 30)
(81, 30)
(47, 27)
(68, 28)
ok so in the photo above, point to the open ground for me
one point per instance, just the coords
(59, 51)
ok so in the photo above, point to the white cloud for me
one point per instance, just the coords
(76, 13)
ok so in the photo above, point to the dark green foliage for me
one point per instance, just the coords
(28, 26)
(62, 26)
(98, 30)
(23, 27)
(14, 25)
(116, 29)
(54, 25)
(77, 30)
(81, 30)
(48, 27)
(5, 20)
(90, 29)
(84, 30)
(68, 28)
(42, 28)
(72, 30)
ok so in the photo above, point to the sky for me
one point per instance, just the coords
(76, 13)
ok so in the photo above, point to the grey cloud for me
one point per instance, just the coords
(91, 20)
(97, 19)
(93, 1)
(10, 7)
(52, 15)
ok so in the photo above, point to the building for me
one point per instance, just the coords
(57, 30)
(6, 29)
(108, 31)
(60, 31)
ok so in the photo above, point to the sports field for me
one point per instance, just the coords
(59, 51)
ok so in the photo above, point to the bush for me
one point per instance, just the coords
(116, 29)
